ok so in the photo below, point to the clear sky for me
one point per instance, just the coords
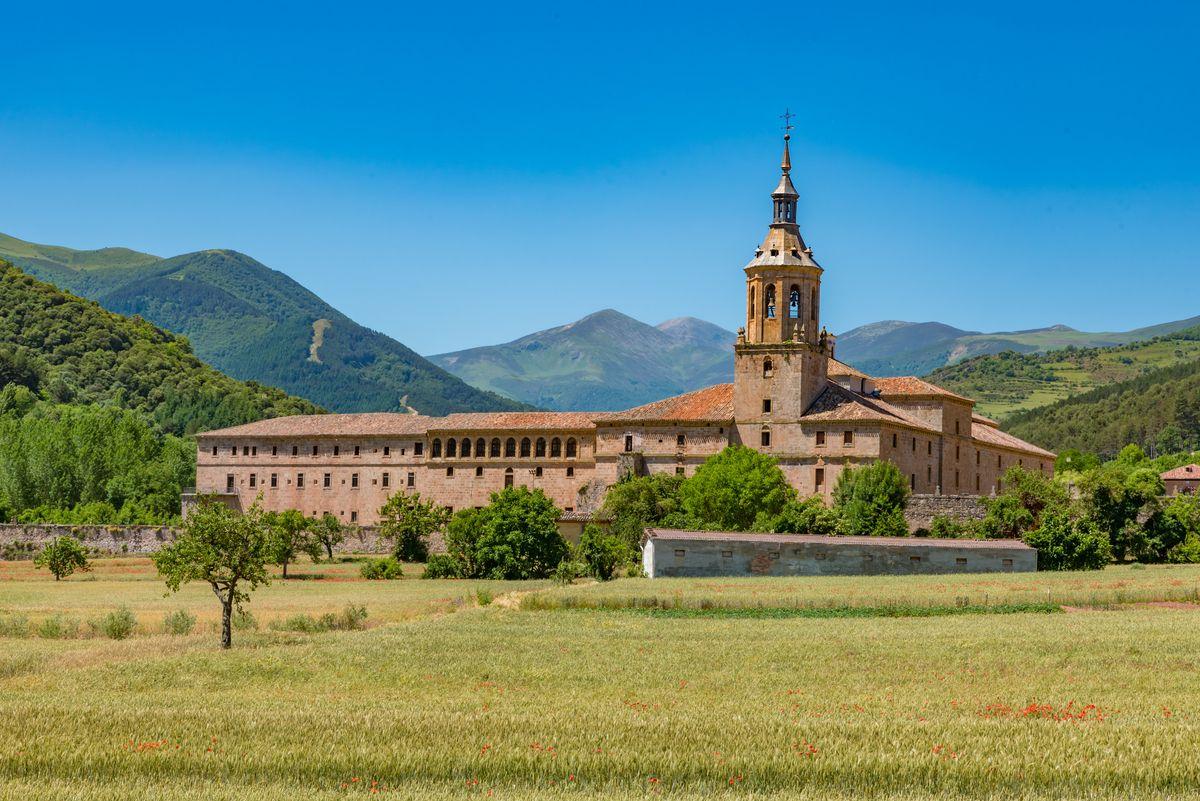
(458, 174)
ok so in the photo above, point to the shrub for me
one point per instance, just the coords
(381, 569)
(305, 624)
(179, 623)
(244, 620)
(57, 627)
(442, 566)
(63, 557)
(870, 500)
(636, 503)
(602, 552)
(1068, 542)
(1026, 497)
(809, 516)
(735, 490)
(14, 626)
(567, 571)
(351, 618)
(946, 527)
(483, 596)
(1186, 552)
(116, 625)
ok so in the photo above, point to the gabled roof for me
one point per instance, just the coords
(713, 404)
(1002, 439)
(330, 425)
(834, 367)
(987, 421)
(1188, 471)
(497, 421)
(837, 404)
(910, 385)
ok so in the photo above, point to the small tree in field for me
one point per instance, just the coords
(290, 537)
(519, 537)
(63, 557)
(870, 500)
(224, 548)
(409, 521)
(602, 551)
(329, 533)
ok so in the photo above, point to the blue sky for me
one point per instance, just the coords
(461, 174)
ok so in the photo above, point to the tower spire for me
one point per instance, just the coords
(785, 195)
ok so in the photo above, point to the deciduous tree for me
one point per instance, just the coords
(409, 521)
(62, 557)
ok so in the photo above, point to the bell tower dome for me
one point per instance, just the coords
(780, 356)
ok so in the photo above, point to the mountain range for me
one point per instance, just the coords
(604, 361)
(255, 323)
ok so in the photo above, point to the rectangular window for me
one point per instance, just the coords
(847, 439)
(418, 448)
(956, 427)
(929, 448)
(928, 473)
(229, 482)
(820, 439)
(773, 554)
(354, 481)
(295, 450)
(327, 481)
(253, 480)
(766, 405)
(337, 450)
(628, 443)
(233, 450)
(274, 450)
(893, 440)
(356, 450)
(274, 480)
(570, 472)
(977, 483)
(537, 471)
(914, 444)
(680, 552)
(449, 471)
(387, 450)
(766, 439)
(679, 471)
(957, 452)
(820, 478)
(956, 479)
(214, 450)
(387, 479)
(412, 479)
(997, 460)
(1007, 562)
(912, 481)
(254, 450)
(316, 450)
(354, 517)
(679, 441)
(977, 455)
(245, 450)
(726, 554)
(914, 559)
(478, 472)
(961, 561)
(299, 481)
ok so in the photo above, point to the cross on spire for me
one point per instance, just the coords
(786, 116)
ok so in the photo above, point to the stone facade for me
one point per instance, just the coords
(670, 554)
(790, 398)
(922, 509)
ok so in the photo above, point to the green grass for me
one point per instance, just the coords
(534, 704)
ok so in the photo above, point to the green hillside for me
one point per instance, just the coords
(70, 350)
(894, 347)
(1009, 382)
(605, 361)
(255, 323)
(1159, 409)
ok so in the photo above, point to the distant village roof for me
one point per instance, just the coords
(713, 403)
(330, 425)
(816, 539)
(489, 421)
(1187, 472)
(915, 387)
(994, 436)
(837, 404)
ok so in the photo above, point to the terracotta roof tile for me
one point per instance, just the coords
(816, 539)
(837, 404)
(987, 421)
(1188, 471)
(835, 367)
(489, 421)
(713, 403)
(1002, 439)
(917, 387)
(330, 425)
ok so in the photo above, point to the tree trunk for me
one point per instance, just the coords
(227, 623)
(285, 563)
(329, 549)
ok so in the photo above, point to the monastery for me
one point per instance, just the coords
(790, 398)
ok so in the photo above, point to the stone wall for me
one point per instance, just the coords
(923, 508)
(27, 539)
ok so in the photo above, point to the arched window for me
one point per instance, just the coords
(508, 477)
(466, 447)
(510, 447)
(451, 448)
(571, 448)
(751, 303)
(435, 450)
(539, 448)
(495, 450)
(481, 448)
(812, 306)
(769, 301)
(555, 448)
(794, 303)
(767, 369)
(525, 448)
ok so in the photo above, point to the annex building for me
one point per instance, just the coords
(790, 398)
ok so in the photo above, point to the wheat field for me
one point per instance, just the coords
(445, 698)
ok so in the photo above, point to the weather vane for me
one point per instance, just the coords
(786, 116)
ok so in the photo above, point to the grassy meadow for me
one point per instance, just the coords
(447, 696)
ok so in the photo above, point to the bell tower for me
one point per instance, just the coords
(780, 355)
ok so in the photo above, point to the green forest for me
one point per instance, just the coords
(96, 409)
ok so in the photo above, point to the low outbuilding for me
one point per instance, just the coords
(674, 553)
